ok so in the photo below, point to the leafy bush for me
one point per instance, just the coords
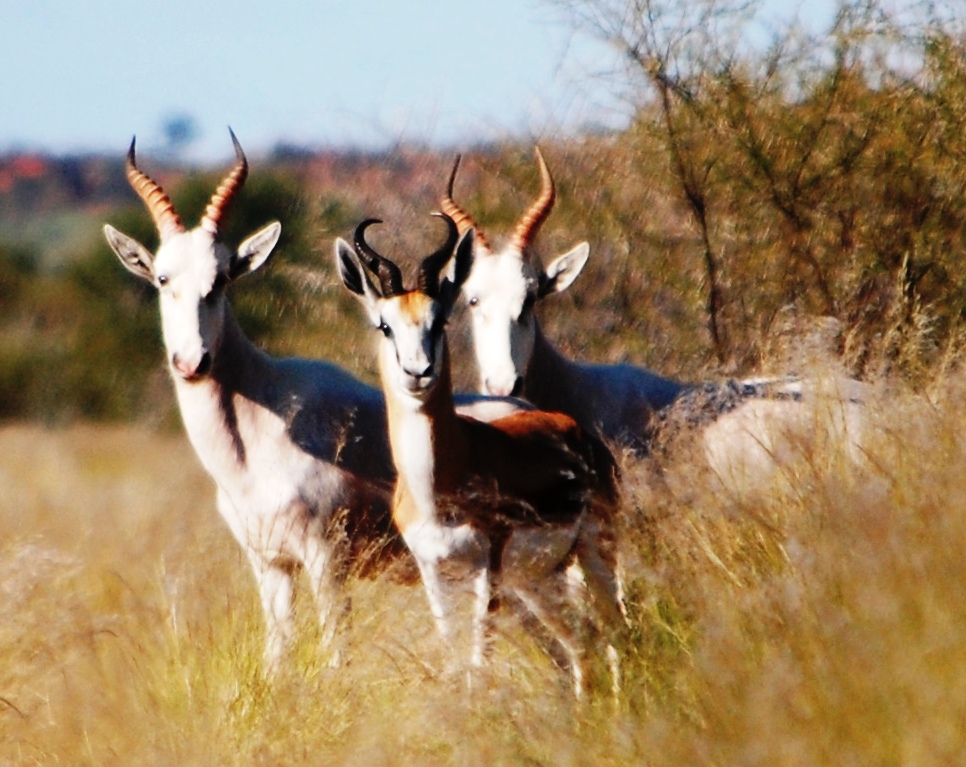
(818, 175)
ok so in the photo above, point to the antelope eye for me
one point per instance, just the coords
(162, 280)
(474, 301)
(384, 329)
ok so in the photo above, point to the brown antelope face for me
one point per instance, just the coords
(191, 268)
(412, 354)
(504, 287)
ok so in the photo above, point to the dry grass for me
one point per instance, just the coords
(816, 621)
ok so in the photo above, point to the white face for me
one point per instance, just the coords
(501, 293)
(191, 273)
(411, 350)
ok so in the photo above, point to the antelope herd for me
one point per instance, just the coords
(298, 449)
(319, 472)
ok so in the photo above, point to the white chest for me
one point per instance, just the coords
(413, 455)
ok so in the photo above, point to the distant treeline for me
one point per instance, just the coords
(811, 189)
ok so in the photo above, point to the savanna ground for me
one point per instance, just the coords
(810, 615)
(816, 619)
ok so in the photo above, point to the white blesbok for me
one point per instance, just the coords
(506, 505)
(512, 352)
(297, 448)
(625, 404)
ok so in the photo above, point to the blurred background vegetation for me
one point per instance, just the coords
(775, 185)
(778, 192)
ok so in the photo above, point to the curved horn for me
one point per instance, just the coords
(433, 264)
(226, 191)
(159, 204)
(461, 217)
(533, 219)
(390, 278)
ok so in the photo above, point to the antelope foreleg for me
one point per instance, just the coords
(275, 588)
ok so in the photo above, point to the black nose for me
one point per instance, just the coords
(517, 389)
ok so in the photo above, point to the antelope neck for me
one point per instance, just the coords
(439, 465)
(213, 407)
(550, 381)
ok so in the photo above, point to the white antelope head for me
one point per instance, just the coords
(504, 286)
(191, 268)
(412, 353)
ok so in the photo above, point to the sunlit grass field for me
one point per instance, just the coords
(813, 617)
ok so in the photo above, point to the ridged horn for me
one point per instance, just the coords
(433, 264)
(533, 219)
(157, 201)
(390, 278)
(462, 219)
(226, 191)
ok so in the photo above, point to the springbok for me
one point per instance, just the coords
(297, 448)
(505, 505)
(621, 402)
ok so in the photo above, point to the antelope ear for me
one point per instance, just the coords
(457, 271)
(255, 250)
(356, 280)
(135, 257)
(563, 270)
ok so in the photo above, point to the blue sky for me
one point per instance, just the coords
(86, 76)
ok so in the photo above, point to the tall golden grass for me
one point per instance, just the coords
(813, 618)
